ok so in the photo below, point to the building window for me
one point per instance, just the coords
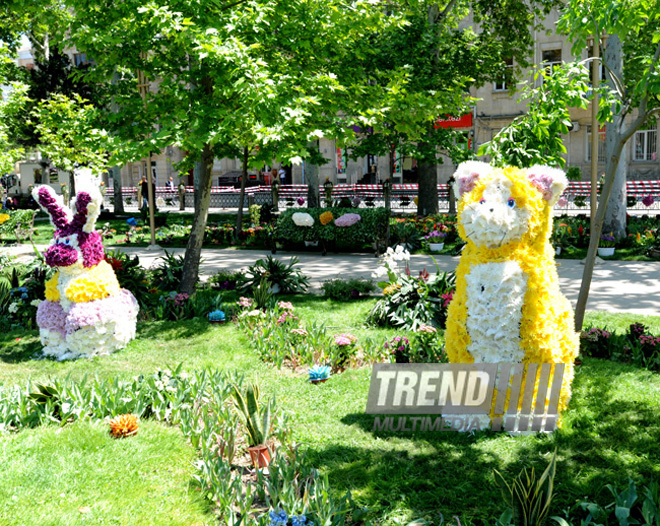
(80, 59)
(645, 145)
(601, 144)
(502, 84)
(551, 60)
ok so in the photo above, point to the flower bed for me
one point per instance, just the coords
(332, 225)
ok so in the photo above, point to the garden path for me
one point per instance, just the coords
(617, 286)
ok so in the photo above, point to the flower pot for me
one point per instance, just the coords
(216, 321)
(436, 247)
(557, 251)
(311, 243)
(319, 381)
(605, 251)
(260, 456)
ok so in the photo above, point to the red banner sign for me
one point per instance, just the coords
(465, 121)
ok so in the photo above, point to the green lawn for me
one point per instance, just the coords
(610, 433)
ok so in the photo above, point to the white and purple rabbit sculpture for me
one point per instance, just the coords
(85, 312)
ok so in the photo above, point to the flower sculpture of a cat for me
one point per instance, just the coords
(508, 306)
(85, 312)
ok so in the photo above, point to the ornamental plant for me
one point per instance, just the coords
(607, 241)
(408, 301)
(648, 200)
(217, 316)
(399, 349)
(435, 236)
(256, 416)
(343, 350)
(319, 372)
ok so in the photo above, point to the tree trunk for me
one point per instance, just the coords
(312, 176)
(241, 196)
(617, 207)
(194, 246)
(116, 190)
(615, 219)
(427, 191)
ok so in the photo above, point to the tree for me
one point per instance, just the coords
(425, 69)
(228, 74)
(631, 56)
(11, 108)
(69, 136)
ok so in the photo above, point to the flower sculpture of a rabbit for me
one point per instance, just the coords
(85, 312)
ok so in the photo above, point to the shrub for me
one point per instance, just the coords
(225, 279)
(287, 278)
(347, 289)
(168, 275)
(370, 228)
(409, 301)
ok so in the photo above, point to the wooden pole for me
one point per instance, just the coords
(595, 131)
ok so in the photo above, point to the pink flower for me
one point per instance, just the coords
(342, 340)
(347, 220)
(648, 200)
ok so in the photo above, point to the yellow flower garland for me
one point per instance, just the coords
(547, 332)
(99, 282)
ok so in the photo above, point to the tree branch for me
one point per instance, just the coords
(233, 4)
(445, 12)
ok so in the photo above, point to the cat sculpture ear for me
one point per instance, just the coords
(550, 182)
(466, 176)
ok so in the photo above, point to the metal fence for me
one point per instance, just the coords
(642, 196)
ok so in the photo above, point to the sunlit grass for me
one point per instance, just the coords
(610, 430)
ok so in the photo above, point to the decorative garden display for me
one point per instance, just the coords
(507, 306)
(85, 312)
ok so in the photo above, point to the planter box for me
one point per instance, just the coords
(436, 247)
(605, 251)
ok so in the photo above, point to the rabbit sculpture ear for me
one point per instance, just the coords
(551, 182)
(53, 205)
(88, 208)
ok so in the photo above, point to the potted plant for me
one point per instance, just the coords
(559, 237)
(606, 245)
(217, 316)
(436, 240)
(319, 373)
(257, 421)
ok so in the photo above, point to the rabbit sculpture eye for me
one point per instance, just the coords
(85, 312)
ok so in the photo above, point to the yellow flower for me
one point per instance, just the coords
(3, 218)
(99, 282)
(52, 294)
(325, 218)
(391, 289)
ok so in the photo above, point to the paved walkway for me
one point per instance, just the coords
(617, 286)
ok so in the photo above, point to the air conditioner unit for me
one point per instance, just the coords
(575, 126)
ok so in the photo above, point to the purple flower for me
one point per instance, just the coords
(300, 200)
(347, 220)
(648, 200)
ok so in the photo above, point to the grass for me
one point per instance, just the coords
(610, 432)
(79, 475)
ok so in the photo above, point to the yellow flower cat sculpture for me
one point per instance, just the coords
(507, 306)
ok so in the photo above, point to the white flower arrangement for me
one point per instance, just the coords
(302, 219)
